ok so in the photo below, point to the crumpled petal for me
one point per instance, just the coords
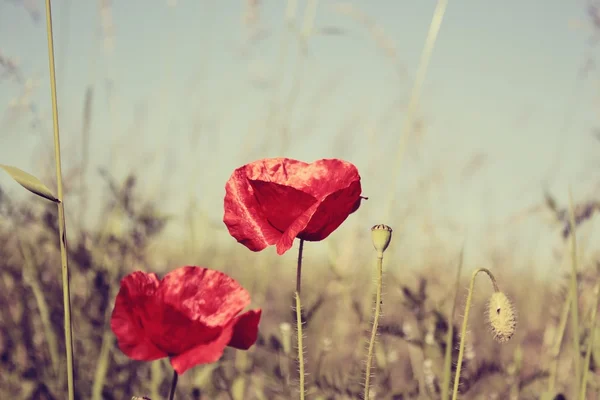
(243, 215)
(130, 317)
(203, 353)
(174, 332)
(191, 315)
(332, 211)
(273, 201)
(245, 330)
(203, 295)
(281, 205)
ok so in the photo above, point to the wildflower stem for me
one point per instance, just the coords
(299, 319)
(61, 210)
(463, 332)
(173, 385)
(375, 323)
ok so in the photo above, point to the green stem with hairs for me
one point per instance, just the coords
(463, 332)
(299, 319)
(375, 324)
(61, 210)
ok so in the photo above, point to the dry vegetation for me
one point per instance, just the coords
(337, 298)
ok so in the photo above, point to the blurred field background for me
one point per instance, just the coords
(160, 101)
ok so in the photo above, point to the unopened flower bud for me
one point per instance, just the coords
(381, 235)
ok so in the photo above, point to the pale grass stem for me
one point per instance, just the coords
(434, 28)
(590, 346)
(61, 210)
(31, 278)
(574, 295)
(450, 333)
(555, 353)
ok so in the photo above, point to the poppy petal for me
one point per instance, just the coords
(243, 215)
(281, 204)
(334, 210)
(273, 201)
(130, 313)
(287, 239)
(245, 330)
(204, 353)
(174, 332)
(203, 295)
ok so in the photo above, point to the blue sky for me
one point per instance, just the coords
(181, 92)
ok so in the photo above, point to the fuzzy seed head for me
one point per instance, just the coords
(501, 317)
(382, 236)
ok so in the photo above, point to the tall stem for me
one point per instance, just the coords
(299, 319)
(61, 210)
(463, 332)
(375, 324)
(173, 385)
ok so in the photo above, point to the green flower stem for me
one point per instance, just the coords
(375, 323)
(61, 210)
(173, 385)
(299, 319)
(463, 332)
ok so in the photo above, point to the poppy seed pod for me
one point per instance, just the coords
(382, 236)
(501, 317)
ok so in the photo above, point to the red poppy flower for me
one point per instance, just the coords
(273, 201)
(190, 315)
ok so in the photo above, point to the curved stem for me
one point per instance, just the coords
(299, 318)
(61, 210)
(463, 332)
(375, 324)
(173, 385)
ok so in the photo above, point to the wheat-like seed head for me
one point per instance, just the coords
(501, 317)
